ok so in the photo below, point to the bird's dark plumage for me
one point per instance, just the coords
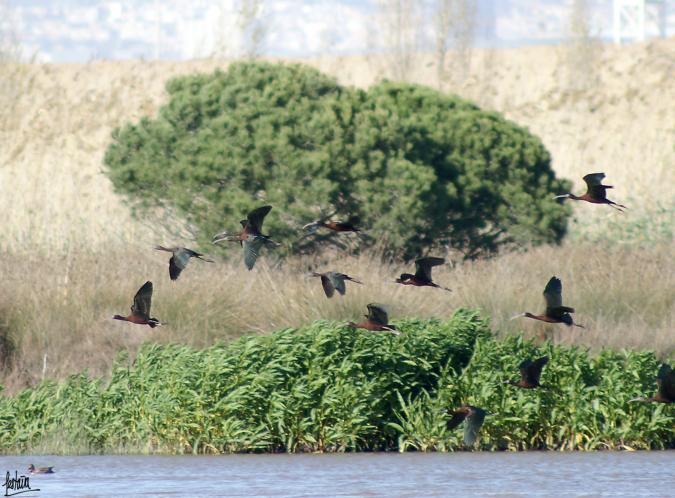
(140, 309)
(473, 418)
(555, 311)
(530, 372)
(32, 469)
(376, 320)
(250, 237)
(596, 192)
(180, 258)
(334, 281)
(422, 276)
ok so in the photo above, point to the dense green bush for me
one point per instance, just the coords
(419, 167)
(330, 388)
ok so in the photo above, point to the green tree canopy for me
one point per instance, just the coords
(420, 168)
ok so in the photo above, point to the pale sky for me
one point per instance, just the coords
(83, 30)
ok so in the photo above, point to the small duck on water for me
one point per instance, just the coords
(40, 470)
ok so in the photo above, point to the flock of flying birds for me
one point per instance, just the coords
(252, 240)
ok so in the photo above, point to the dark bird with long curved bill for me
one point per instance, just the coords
(333, 281)
(555, 311)
(473, 418)
(665, 382)
(422, 276)
(530, 372)
(596, 192)
(250, 237)
(140, 310)
(337, 226)
(377, 320)
(180, 258)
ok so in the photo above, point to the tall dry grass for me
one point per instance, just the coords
(55, 311)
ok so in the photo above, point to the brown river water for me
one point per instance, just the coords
(648, 473)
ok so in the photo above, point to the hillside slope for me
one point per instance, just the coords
(57, 121)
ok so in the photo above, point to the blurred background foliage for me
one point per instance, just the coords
(423, 170)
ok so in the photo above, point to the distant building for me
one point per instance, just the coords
(637, 20)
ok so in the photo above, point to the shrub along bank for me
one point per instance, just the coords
(326, 387)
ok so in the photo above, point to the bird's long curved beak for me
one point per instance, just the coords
(562, 196)
(519, 315)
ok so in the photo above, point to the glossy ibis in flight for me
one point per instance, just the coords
(555, 311)
(336, 226)
(422, 276)
(32, 469)
(180, 258)
(665, 381)
(473, 418)
(376, 320)
(333, 281)
(595, 193)
(250, 237)
(530, 372)
(140, 310)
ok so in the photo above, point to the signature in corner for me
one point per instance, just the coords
(17, 485)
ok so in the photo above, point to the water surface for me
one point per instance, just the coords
(649, 473)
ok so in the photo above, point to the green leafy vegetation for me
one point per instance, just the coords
(326, 387)
(422, 169)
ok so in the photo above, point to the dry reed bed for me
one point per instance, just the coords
(61, 306)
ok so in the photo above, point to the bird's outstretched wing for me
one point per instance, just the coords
(377, 315)
(666, 382)
(458, 417)
(474, 421)
(595, 187)
(338, 281)
(531, 370)
(354, 220)
(143, 300)
(251, 247)
(328, 287)
(553, 293)
(423, 267)
(257, 216)
(179, 261)
(593, 179)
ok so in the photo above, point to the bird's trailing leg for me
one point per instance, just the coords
(616, 206)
